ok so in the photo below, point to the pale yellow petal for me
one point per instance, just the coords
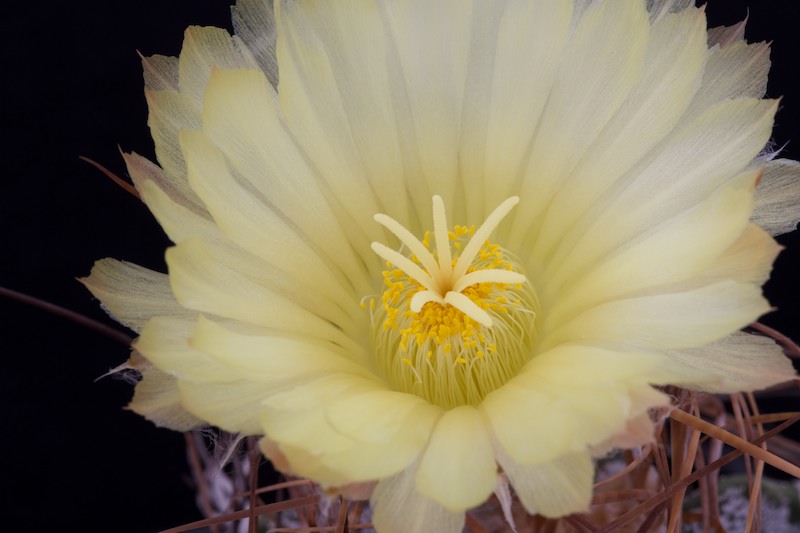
(254, 225)
(241, 119)
(599, 366)
(181, 224)
(561, 409)
(178, 221)
(726, 35)
(306, 441)
(170, 112)
(695, 317)
(374, 416)
(559, 487)
(709, 151)
(748, 260)
(638, 431)
(693, 162)
(670, 252)
(145, 173)
(369, 460)
(236, 406)
(337, 94)
(519, 416)
(502, 69)
(350, 140)
(203, 282)
(428, 90)
(272, 451)
(273, 358)
(175, 104)
(777, 197)
(254, 24)
(301, 430)
(336, 306)
(735, 363)
(160, 72)
(738, 70)
(660, 8)
(132, 294)
(325, 440)
(203, 49)
(164, 342)
(242, 405)
(458, 468)
(673, 67)
(157, 399)
(397, 507)
(299, 461)
(604, 59)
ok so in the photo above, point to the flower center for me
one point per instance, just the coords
(457, 322)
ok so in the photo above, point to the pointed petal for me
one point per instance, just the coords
(667, 253)
(236, 406)
(207, 283)
(272, 358)
(638, 431)
(738, 70)
(672, 179)
(157, 399)
(736, 363)
(553, 489)
(181, 224)
(160, 72)
(673, 67)
(503, 493)
(179, 215)
(132, 294)
(661, 8)
(458, 468)
(726, 35)
(304, 399)
(427, 91)
(599, 366)
(748, 260)
(170, 112)
(399, 508)
(203, 49)
(254, 23)
(496, 136)
(241, 119)
(777, 197)
(346, 127)
(692, 318)
(252, 224)
(328, 442)
(391, 444)
(374, 416)
(165, 343)
(562, 410)
(604, 59)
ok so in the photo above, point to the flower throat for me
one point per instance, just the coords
(455, 322)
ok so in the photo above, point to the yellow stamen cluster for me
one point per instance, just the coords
(453, 354)
(436, 322)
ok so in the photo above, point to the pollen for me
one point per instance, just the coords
(456, 320)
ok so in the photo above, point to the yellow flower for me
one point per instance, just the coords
(442, 245)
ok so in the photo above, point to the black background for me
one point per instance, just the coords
(72, 86)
